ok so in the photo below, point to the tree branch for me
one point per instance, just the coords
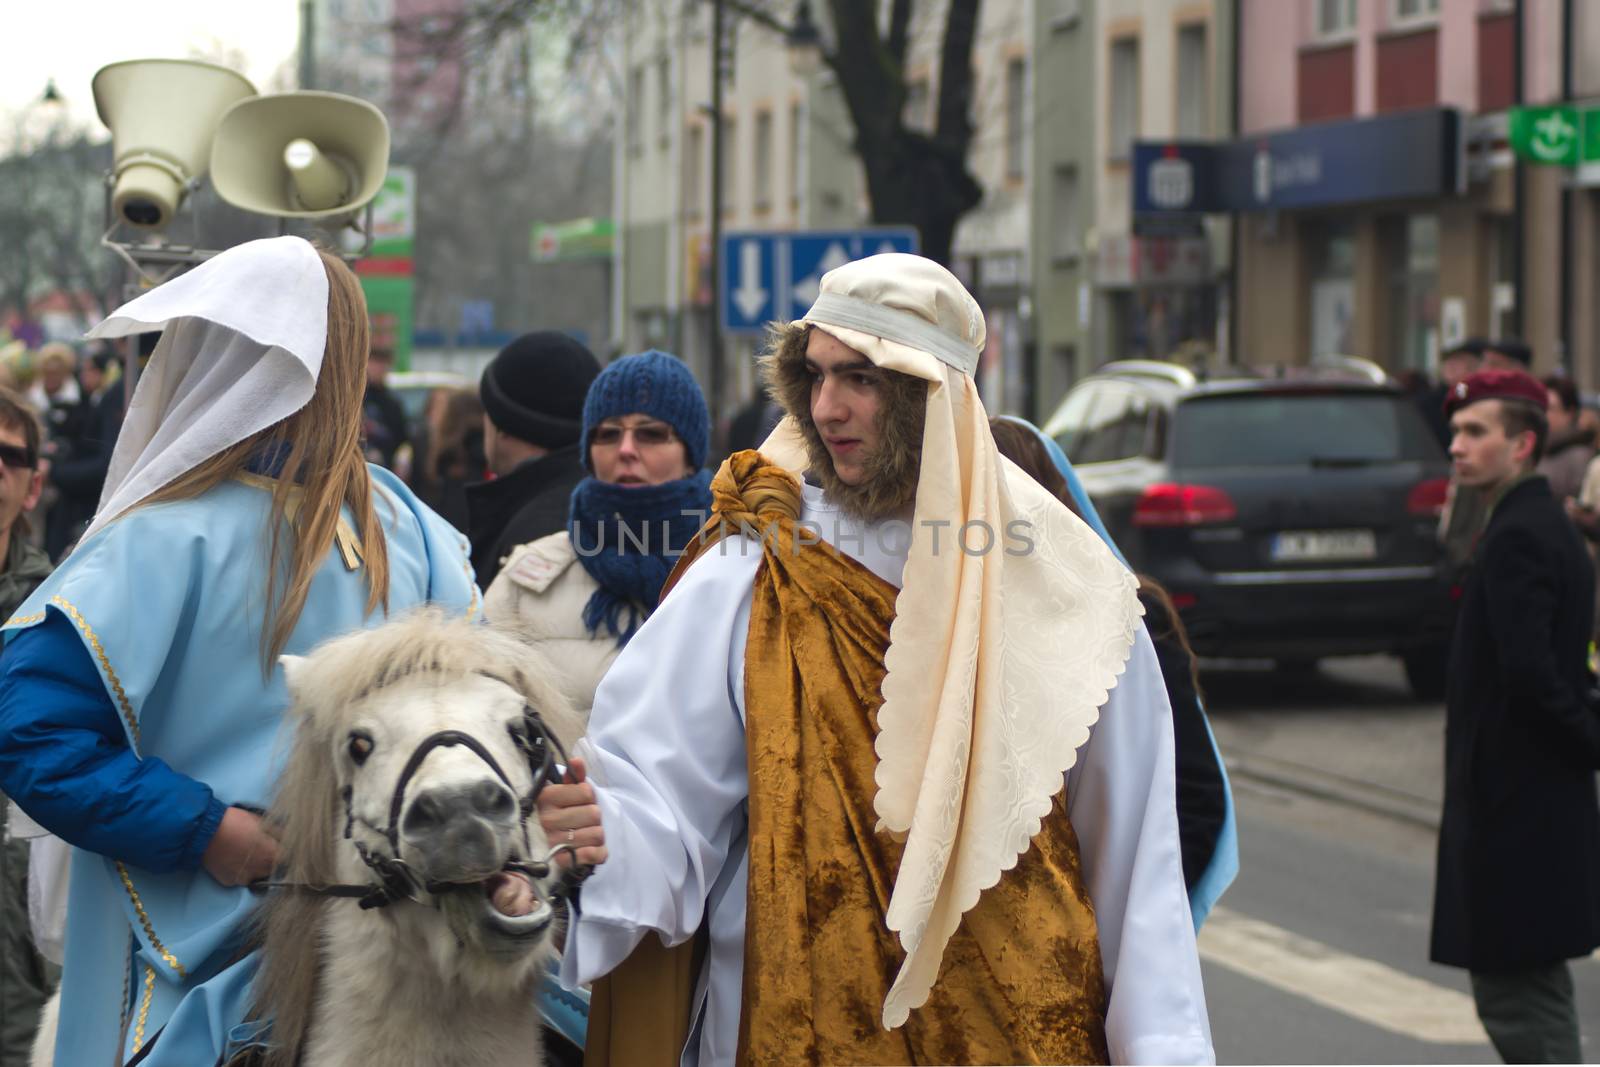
(953, 127)
(899, 32)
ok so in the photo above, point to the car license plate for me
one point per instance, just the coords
(1296, 546)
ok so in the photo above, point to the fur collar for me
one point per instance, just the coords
(890, 487)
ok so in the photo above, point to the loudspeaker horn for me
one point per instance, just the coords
(305, 155)
(161, 114)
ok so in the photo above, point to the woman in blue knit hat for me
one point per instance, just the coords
(580, 594)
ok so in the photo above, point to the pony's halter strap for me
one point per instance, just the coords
(396, 879)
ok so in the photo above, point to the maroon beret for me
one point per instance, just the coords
(1496, 385)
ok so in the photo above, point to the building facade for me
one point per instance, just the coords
(1367, 260)
(1163, 72)
(1061, 89)
(787, 164)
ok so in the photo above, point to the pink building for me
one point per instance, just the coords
(1397, 278)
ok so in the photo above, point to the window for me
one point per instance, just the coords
(694, 154)
(1064, 226)
(1333, 18)
(1194, 82)
(797, 171)
(917, 115)
(1114, 428)
(1071, 420)
(1289, 430)
(763, 161)
(1124, 125)
(1413, 273)
(636, 110)
(664, 98)
(1016, 130)
(1403, 12)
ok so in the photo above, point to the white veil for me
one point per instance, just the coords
(242, 342)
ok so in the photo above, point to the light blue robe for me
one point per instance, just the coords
(1224, 866)
(168, 601)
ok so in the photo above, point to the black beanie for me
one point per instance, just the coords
(534, 388)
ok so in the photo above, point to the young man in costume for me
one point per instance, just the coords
(140, 691)
(1517, 892)
(836, 751)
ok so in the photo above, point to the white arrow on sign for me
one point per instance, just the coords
(750, 296)
(805, 293)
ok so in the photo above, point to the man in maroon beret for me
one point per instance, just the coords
(1518, 881)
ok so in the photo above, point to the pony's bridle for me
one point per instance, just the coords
(397, 880)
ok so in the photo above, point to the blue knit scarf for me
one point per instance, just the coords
(628, 538)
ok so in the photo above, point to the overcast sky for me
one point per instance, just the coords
(69, 40)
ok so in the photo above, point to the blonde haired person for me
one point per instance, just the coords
(56, 387)
(140, 692)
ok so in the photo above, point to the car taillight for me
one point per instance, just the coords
(1427, 498)
(1168, 504)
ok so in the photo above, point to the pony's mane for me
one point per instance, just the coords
(306, 813)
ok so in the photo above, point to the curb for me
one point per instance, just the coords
(1318, 784)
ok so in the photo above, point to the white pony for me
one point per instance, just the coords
(412, 744)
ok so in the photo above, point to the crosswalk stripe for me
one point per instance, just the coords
(1363, 989)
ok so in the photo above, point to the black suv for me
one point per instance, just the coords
(1291, 514)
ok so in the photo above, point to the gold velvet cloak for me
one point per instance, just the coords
(1021, 980)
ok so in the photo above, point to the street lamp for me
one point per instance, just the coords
(804, 42)
(52, 95)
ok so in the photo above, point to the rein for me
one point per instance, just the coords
(397, 881)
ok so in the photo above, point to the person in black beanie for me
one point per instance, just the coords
(533, 393)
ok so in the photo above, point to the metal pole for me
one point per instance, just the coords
(1518, 179)
(1565, 324)
(1235, 65)
(308, 51)
(714, 399)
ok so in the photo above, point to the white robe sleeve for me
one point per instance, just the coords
(1121, 798)
(666, 751)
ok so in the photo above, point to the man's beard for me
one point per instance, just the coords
(888, 484)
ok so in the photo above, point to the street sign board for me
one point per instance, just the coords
(1546, 135)
(1401, 156)
(575, 240)
(770, 275)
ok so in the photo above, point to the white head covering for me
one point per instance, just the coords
(242, 342)
(997, 663)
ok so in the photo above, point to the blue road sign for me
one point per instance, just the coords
(772, 275)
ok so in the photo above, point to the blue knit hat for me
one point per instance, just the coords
(656, 384)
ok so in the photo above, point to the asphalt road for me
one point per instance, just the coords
(1318, 953)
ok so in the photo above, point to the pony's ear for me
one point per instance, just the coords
(293, 672)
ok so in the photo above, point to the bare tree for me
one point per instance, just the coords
(913, 177)
(51, 211)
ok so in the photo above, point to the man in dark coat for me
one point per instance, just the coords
(533, 394)
(26, 977)
(1518, 886)
(383, 418)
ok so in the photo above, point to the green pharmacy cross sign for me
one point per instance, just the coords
(1559, 135)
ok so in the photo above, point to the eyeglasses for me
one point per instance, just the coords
(15, 457)
(650, 435)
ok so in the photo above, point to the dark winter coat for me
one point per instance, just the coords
(1518, 881)
(525, 505)
(80, 471)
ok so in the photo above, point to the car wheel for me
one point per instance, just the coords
(1298, 667)
(1427, 669)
